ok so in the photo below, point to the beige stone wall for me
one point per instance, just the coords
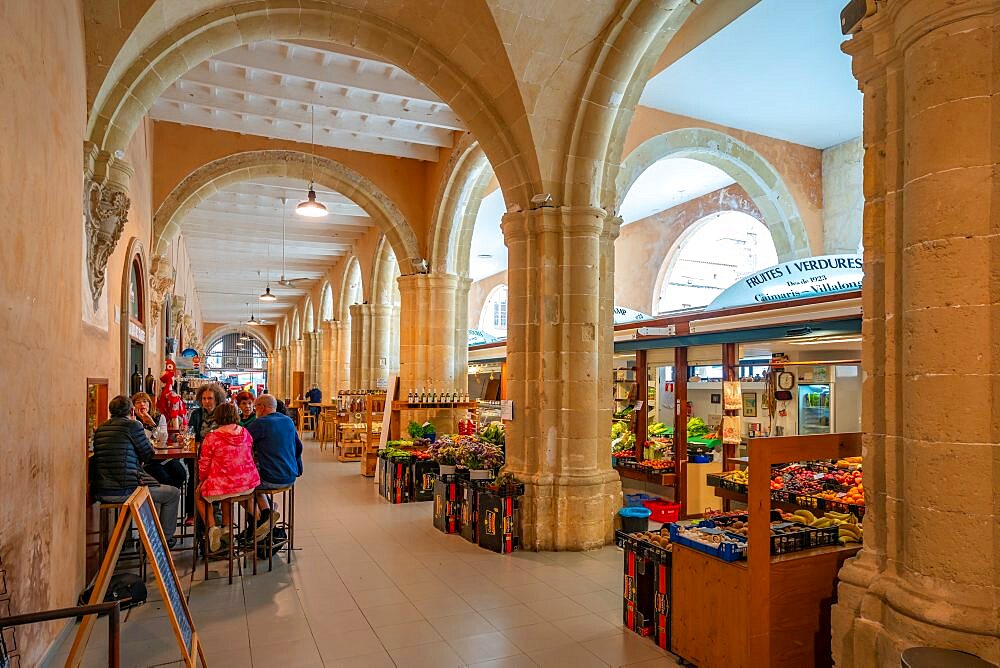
(843, 197)
(478, 293)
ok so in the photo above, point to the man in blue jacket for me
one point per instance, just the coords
(278, 453)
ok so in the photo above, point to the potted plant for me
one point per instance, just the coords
(480, 457)
(425, 430)
(445, 454)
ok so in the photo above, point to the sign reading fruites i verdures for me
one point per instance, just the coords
(795, 279)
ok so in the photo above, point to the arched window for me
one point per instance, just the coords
(231, 354)
(135, 296)
(296, 327)
(713, 254)
(493, 319)
(309, 324)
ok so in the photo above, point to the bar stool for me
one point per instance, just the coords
(308, 421)
(237, 510)
(108, 519)
(327, 428)
(288, 507)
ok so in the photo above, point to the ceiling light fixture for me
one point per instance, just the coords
(310, 208)
(267, 296)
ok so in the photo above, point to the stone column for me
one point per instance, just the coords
(383, 318)
(929, 572)
(296, 364)
(327, 371)
(286, 378)
(428, 319)
(360, 346)
(343, 361)
(559, 322)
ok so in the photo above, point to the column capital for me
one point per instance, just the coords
(434, 280)
(562, 219)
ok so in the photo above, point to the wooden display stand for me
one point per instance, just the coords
(767, 610)
(139, 508)
(374, 410)
(398, 407)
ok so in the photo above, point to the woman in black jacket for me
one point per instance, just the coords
(120, 449)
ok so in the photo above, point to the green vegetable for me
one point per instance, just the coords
(618, 429)
(493, 433)
(417, 430)
(659, 429)
(696, 427)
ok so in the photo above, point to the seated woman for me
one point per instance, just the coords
(244, 400)
(225, 469)
(170, 472)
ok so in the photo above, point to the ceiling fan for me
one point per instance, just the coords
(285, 282)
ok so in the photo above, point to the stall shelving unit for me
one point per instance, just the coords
(774, 609)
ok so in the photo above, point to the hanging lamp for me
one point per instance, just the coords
(311, 208)
(266, 296)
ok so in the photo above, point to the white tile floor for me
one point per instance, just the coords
(375, 584)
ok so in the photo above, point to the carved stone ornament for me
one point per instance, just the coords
(160, 283)
(106, 211)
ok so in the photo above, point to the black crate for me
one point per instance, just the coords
(637, 586)
(662, 582)
(422, 476)
(499, 521)
(381, 474)
(470, 509)
(447, 505)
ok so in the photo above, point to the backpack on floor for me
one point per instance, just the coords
(125, 587)
(279, 536)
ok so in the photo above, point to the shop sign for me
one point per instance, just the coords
(623, 315)
(136, 331)
(196, 362)
(795, 279)
(189, 352)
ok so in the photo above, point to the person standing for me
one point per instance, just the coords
(115, 469)
(315, 396)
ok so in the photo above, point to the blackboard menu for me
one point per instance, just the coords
(165, 571)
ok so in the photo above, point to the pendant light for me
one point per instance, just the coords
(311, 208)
(267, 296)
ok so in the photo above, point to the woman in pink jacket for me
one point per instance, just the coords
(225, 469)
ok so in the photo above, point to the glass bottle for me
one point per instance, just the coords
(135, 381)
(150, 382)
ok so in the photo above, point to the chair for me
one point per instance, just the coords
(327, 428)
(237, 510)
(288, 508)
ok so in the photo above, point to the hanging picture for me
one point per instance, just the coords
(731, 429)
(731, 395)
(716, 398)
(749, 404)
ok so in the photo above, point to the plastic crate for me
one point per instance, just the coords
(663, 511)
(724, 551)
(637, 500)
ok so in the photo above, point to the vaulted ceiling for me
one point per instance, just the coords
(277, 89)
(235, 242)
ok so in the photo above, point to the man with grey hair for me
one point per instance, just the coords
(277, 450)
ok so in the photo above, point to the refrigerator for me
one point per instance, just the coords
(815, 408)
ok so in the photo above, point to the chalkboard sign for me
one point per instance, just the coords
(139, 508)
(149, 527)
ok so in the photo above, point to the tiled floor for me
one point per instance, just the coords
(376, 585)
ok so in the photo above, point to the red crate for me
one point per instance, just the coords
(664, 512)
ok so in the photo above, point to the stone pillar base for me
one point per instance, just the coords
(569, 512)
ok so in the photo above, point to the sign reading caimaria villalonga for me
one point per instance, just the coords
(795, 279)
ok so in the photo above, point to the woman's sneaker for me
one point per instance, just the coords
(214, 539)
(268, 518)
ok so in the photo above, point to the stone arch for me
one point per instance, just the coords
(326, 302)
(489, 304)
(296, 326)
(308, 316)
(262, 337)
(286, 337)
(136, 253)
(746, 166)
(122, 101)
(467, 177)
(631, 44)
(384, 274)
(351, 286)
(213, 176)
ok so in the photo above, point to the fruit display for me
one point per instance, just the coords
(657, 539)
(622, 437)
(848, 529)
(705, 536)
(836, 486)
(658, 429)
(659, 448)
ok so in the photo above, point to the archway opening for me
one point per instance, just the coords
(493, 317)
(236, 359)
(712, 255)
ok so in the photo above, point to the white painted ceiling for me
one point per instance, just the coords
(489, 254)
(234, 239)
(270, 88)
(668, 183)
(777, 70)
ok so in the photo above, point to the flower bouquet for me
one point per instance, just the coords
(479, 457)
(444, 452)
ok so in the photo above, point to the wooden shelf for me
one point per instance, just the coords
(730, 495)
(664, 479)
(403, 405)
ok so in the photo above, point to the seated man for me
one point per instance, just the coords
(278, 453)
(315, 396)
(120, 449)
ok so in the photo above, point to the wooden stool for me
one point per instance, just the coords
(236, 510)
(327, 428)
(109, 513)
(288, 507)
(308, 421)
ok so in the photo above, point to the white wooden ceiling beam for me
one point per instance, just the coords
(164, 110)
(231, 79)
(261, 216)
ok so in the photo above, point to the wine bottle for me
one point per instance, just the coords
(135, 381)
(150, 382)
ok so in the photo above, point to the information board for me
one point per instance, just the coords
(139, 508)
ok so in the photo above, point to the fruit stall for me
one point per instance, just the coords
(768, 576)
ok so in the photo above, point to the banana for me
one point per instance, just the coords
(822, 523)
(849, 529)
(806, 516)
(844, 540)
